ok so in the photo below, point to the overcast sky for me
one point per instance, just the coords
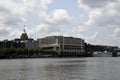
(96, 21)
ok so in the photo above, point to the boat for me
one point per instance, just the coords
(102, 54)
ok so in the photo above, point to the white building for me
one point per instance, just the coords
(66, 46)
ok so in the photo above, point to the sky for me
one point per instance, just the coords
(95, 21)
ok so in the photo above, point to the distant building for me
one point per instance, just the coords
(11, 44)
(23, 38)
(28, 42)
(92, 48)
(65, 46)
(22, 42)
(33, 44)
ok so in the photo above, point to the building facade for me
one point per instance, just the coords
(65, 46)
(23, 38)
(22, 42)
(11, 44)
(33, 44)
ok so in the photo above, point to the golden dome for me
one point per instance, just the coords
(24, 32)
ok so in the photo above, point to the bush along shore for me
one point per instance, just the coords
(16, 53)
(12, 53)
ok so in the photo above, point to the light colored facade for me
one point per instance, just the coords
(62, 45)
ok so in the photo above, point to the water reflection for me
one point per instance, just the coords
(60, 69)
(64, 70)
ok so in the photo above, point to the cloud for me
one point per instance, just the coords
(12, 20)
(53, 23)
(58, 16)
(94, 38)
(8, 32)
(102, 13)
(4, 31)
(94, 3)
(116, 33)
(4, 10)
(42, 7)
(14, 13)
(11, 17)
(22, 8)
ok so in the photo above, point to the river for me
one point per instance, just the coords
(94, 68)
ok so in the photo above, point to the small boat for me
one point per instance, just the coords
(102, 54)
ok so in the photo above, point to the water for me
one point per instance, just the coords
(61, 69)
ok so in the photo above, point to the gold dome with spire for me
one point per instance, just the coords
(24, 35)
(24, 32)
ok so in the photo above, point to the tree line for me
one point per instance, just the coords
(25, 53)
